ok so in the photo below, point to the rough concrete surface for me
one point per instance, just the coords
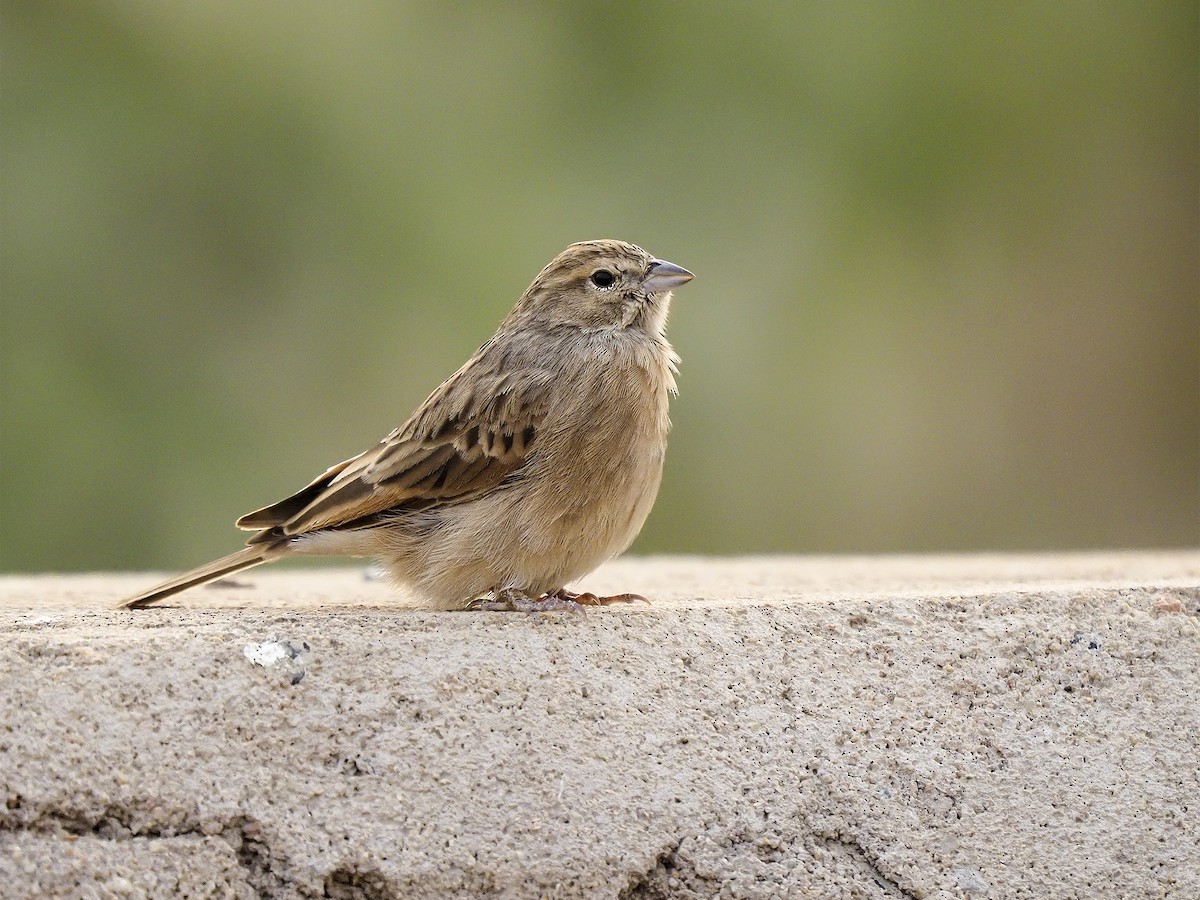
(972, 726)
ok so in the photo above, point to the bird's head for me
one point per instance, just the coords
(603, 285)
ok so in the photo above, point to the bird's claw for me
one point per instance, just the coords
(587, 598)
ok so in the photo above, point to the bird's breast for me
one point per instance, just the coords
(599, 463)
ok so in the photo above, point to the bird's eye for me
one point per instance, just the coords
(603, 278)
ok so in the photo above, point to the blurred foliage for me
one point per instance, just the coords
(948, 256)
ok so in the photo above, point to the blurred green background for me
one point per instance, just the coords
(948, 257)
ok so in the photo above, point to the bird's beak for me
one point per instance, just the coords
(664, 275)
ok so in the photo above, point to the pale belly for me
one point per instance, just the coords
(540, 539)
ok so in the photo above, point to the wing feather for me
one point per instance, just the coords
(474, 431)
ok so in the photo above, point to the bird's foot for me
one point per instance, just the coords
(587, 598)
(512, 600)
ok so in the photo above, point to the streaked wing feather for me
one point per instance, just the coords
(464, 440)
(280, 512)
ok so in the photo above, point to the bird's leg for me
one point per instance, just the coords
(587, 598)
(513, 600)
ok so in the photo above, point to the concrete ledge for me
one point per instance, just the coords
(837, 727)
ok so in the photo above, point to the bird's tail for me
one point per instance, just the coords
(226, 565)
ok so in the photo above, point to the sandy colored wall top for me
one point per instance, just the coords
(871, 727)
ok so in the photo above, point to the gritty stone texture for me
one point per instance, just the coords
(975, 726)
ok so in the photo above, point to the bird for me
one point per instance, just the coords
(535, 462)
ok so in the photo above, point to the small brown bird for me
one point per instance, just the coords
(528, 467)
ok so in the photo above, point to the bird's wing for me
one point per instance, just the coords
(475, 430)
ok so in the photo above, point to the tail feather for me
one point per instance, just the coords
(226, 565)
